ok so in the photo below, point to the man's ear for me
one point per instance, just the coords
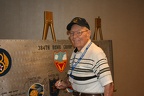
(89, 33)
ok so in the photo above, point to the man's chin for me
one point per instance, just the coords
(76, 44)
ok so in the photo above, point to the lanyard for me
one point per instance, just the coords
(75, 64)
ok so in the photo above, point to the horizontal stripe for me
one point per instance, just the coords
(103, 71)
(100, 63)
(99, 66)
(83, 78)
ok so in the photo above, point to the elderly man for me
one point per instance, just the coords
(89, 73)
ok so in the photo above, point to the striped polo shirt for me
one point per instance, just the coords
(92, 73)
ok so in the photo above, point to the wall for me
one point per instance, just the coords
(122, 22)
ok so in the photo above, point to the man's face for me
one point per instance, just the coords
(79, 36)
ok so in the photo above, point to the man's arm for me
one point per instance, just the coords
(108, 90)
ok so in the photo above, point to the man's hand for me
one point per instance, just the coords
(61, 84)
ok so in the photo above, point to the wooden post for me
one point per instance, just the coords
(98, 29)
(48, 22)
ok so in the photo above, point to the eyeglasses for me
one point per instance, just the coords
(78, 33)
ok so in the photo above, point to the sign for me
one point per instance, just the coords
(31, 67)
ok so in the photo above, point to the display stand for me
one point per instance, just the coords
(98, 29)
(48, 22)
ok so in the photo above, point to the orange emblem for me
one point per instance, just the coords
(60, 60)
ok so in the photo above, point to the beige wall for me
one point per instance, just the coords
(122, 22)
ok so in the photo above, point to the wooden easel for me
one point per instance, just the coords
(98, 29)
(48, 22)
